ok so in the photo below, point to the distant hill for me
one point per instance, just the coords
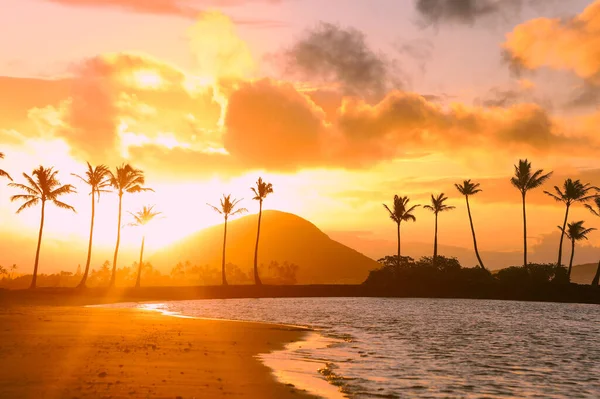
(284, 237)
(583, 274)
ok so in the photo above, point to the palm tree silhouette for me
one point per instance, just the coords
(400, 212)
(261, 191)
(596, 211)
(3, 173)
(227, 209)
(43, 186)
(142, 218)
(126, 179)
(98, 180)
(524, 181)
(572, 192)
(437, 206)
(575, 232)
(467, 189)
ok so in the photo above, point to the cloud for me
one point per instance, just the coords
(560, 44)
(190, 9)
(341, 56)
(523, 92)
(468, 12)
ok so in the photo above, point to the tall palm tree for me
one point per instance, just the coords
(126, 179)
(401, 212)
(575, 232)
(261, 191)
(142, 218)
(98, 180)
(572, 192)
(524, 181)
(3, 173)
(596, 211)
(437, 206)
(227, 209)
(43, 186)
(468, 189)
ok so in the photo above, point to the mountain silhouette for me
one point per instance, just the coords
(285, 237)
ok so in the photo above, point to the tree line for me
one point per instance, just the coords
(43, 186)
(524, 180)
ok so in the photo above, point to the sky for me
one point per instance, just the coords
(339, 104)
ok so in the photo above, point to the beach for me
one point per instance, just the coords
(88, 352)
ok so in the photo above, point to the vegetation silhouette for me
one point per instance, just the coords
(227, 209)
(126, 179)
(43, 186)
(142, 218)
(98, 180)
(469, 189)
(437, 206)
(400, 212)
(572, 192)
(261, 191)
(524, 180)
(2, 172)
(575, 232)
(595, 209)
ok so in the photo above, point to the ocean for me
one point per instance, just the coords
(425, 348)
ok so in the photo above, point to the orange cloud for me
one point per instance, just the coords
(179, 8)
(559, 44)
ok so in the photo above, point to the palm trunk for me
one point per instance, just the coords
(89, 255)
(596, 277)
(473, 232)
(256, 278)
(435, 240)
(139, 274)
(524, 233)
(398, 260)
(571, 261)
(560, 246)
(224, 278)
(37, 252)
(113, 277)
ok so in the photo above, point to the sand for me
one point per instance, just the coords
(77, 352)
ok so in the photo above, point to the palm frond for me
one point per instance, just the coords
(5, 174)
(215, 208)
(28, 204)
(62, 205)
(24, 188)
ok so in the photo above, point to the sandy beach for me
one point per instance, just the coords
(78, 352)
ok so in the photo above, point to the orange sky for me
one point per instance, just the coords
(340, 106)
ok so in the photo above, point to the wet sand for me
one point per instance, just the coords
(77, 352)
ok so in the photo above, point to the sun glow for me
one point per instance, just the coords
(147, 79)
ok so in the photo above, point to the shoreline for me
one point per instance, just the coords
(89, 352)
(559, 293)
(281, 362)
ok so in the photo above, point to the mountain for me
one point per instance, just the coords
(283, 237)
(584, 274)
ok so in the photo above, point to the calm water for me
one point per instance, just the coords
(429, 348)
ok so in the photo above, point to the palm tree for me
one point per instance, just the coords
(261, 191)
(3, 173)
(524, 181)
(401, 212)
(142, 218)
(572, 192)
(126, 179)
(467, 189)
(596, 211)
(43, 186)
(227, 209)
(575, 232)
(437, 206)
(98, 180)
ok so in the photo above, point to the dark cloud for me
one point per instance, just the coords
(586, 95)
(419, 50)
(506, 97)
(468, 12)
(331, 54)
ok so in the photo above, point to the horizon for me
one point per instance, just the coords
(198, 118)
